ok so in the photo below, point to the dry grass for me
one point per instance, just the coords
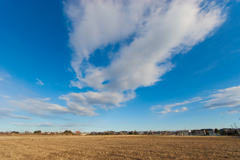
(118, 147)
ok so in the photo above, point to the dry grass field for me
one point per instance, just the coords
(118, 147)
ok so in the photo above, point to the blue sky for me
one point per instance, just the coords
(119, 65)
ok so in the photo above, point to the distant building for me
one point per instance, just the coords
(83, 133)
(140, 133)
(157, 133)
(124, 132)
(214, 134)
(210, 131)
(198, 132)
(183, 132)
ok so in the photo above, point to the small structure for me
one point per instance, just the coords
(83, 133)
(214, 134)
(124, 132)
(198, 132)
(183, 132)
(210, 131)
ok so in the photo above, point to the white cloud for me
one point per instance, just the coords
(229, 97)
(39, 82)
(44, 99)
(4, 96)
(7, 113)
(47, 124)
(167, 108)
(100, 99)
(159, 30)
(40, 107)
(156, 107)
(3, 76)
(38, 124)
(181, 110)
(233, 111)
(162, 28)
(70, 70)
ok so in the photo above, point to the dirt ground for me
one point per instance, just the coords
(118, 147)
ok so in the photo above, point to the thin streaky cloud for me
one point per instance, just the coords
(228, 97)
(7, 113)
(3, 76)
(37, 124)
(46, 108)
(39, 82)
(4, 96)
(167, 108)
(183, 109)
(44, 99)
(232, 111)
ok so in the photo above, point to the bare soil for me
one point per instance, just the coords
(118, 147)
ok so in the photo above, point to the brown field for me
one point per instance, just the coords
(118, 147)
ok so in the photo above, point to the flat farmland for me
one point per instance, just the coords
(118, 147)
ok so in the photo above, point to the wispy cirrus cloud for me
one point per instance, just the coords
(39, 82)
(150, 34)
(4, 96)
(3, 76)
(32, 124)
(41, 107)
(232, 111)
(183, 109)
(47, 124)
(44, 99)
(7, 113)
(167, 108)
(229, 97)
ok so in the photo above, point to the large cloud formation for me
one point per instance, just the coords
(150, 33)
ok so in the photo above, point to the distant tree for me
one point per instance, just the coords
(207, 133)
(135, 132)
(193, 132)
(130, 133)
(217, 131)
(67, 132)
(37, 132)
(236, 132)
(223, 132)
